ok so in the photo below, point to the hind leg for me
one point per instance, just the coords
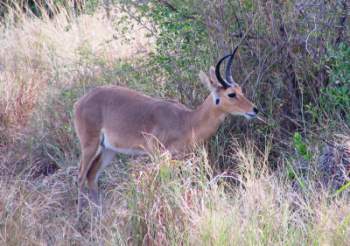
(90, 154)
(94, 172)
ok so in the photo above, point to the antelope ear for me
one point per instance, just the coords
(214, 80)
(206, 81)
(211, 86)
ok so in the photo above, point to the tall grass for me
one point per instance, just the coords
(167, 202)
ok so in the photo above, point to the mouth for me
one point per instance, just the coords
(250, 116)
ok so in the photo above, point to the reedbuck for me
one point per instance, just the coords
(110, 120)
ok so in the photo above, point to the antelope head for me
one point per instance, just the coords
(227, 94)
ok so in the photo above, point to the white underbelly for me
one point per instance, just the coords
(128, 151)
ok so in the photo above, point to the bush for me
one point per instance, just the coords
(280, 62)
(335, 97)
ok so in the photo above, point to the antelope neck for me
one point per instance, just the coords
(206, 119)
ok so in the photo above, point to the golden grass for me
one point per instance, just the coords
(38, 57)
(173, 202)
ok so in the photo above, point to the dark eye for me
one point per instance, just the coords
(232, 95)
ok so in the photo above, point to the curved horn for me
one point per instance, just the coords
(228, 73)
(223, 82)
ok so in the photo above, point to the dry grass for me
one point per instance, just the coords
(168, 202)
(39, 57)
(45, 65)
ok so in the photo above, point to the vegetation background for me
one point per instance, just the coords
(282, 180)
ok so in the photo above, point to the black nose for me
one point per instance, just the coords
(256, 110)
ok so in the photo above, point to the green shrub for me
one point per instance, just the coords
(335, 96)
(301, 146)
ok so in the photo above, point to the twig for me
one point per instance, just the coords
(308, 36)
(174, 9)
(342, 23)
(264, 120)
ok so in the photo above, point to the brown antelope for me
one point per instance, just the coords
(113, 119)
